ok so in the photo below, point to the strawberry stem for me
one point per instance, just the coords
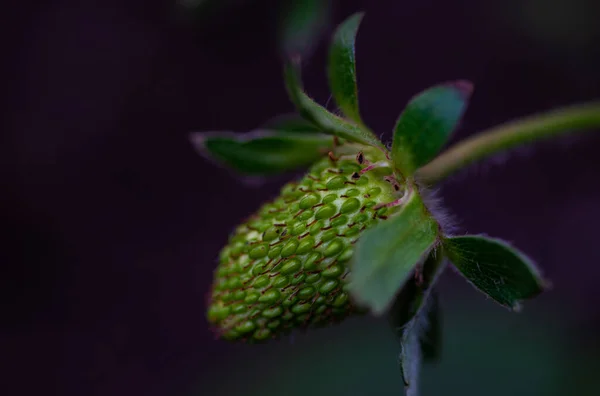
(515, 133)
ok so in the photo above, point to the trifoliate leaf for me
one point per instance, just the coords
(302, 23)
(342, 67)
(495, 268)
(318, 115)
(386, 255)
(262, 152)
(426, 123)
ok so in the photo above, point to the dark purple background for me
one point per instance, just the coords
(112, 222)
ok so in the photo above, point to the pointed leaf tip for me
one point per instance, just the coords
(427, 122)
(495, 268)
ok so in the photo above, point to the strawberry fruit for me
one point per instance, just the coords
(286, 266)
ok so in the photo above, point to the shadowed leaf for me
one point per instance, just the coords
(431, 339)
(418, 297)
(411, 299)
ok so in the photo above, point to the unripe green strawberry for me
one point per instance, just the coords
(287, 266)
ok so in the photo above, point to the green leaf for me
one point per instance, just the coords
(426, 124)
(495, 268)
(262, 152)
(342, 67)
(318, 115)
(386, 255)
(301, 24)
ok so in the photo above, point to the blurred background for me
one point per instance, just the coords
(112, 223)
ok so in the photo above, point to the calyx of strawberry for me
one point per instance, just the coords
(357, 233)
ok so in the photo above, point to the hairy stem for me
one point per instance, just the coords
(512, 134)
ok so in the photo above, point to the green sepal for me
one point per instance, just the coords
(312, 111)
(342, 67)
(427, 122)
(497, 269)
(262, 152)
(386, 255)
